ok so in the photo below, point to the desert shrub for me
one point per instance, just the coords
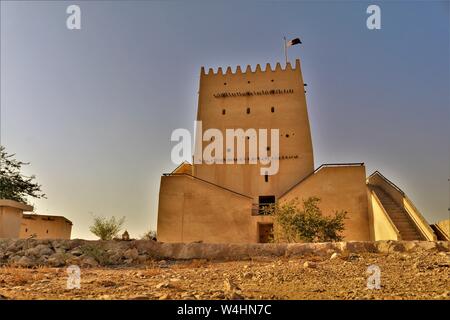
(149, 235)
(107, 229)
(305, 223)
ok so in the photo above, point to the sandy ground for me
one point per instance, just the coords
(424, 275)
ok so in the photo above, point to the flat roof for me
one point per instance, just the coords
(32, 215)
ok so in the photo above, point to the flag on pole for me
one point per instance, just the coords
(293, 42)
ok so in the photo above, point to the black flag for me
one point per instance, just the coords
(293, 42)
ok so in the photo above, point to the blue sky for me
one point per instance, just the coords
(93, 109)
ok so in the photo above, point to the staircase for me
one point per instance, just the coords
(399, 216)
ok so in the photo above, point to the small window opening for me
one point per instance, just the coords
(223, 111)
(265, 201)
(272, 109)
(248, 110)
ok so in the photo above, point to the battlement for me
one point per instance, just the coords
(248, 70)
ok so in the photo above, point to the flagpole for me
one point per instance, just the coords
(285, 50)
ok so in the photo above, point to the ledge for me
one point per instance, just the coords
(15, 204)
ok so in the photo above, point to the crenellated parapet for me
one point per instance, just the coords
(248, 70)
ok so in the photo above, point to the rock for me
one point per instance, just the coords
(164, 297)
(115, 258)
(384, 246)
(76, 252)
(229, 285)
(164, 284)
(107, 283)
(56, 260)
(426, 245)
(218, 295)
(247, 275)
(131, 254)
(353, 257)
(236, 296)
(39, 250)
(25, 262)
(87, 261)
(334, 256)
(359, 246)
(309, 264)
(163, 264)
(142, 258)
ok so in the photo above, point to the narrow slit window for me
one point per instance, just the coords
(248, 110)
(223, 111)
(266, 177)
(272, 109)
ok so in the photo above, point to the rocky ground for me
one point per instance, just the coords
(422, 274)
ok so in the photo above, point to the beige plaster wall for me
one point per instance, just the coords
(339, 188)
(10, 222)
(45, 227)
(10, 217)
(290, 116)
(193, 210)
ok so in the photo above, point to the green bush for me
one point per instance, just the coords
(305, 224)
(107, 229)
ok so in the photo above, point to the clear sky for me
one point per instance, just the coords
(93, 109)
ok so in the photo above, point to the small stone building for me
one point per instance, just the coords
(39, 226)
(11, 217)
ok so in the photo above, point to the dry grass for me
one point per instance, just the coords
(195, 263)
(22, 276)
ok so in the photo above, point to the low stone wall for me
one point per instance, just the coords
(58, 253)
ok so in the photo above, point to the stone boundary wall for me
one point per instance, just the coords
(84, 253)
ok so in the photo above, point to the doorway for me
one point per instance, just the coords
(265, 231)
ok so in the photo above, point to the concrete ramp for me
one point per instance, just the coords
(398, 211)
(399, 216)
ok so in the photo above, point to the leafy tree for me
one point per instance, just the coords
(306, 224)
(107, 229)
(13, 184)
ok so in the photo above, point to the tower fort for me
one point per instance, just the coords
(221, 202)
